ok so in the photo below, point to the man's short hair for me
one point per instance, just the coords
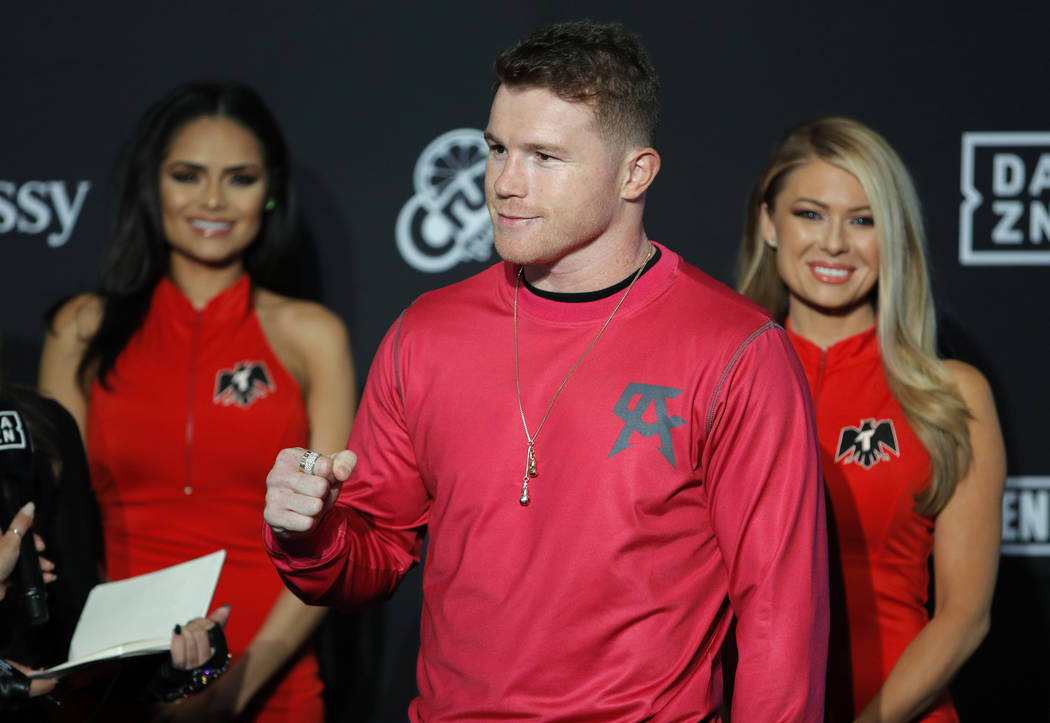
(603, 65)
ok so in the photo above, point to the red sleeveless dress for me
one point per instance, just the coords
(179, 446)
(874, 465)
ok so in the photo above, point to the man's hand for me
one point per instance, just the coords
(295, 501)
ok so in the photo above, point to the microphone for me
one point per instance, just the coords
(16, 474)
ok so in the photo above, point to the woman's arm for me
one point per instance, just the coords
(315, 344)
(71, 329)
(965, 561)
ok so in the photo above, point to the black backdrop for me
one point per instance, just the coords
(361, 89)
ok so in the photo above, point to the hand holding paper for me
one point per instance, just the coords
(135, 616)
(190, 646)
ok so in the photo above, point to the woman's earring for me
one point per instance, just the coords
(270, 205)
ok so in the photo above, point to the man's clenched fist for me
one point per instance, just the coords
(296, 501)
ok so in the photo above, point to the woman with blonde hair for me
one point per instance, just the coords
(911, 449)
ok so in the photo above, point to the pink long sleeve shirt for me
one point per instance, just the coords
(678, 485)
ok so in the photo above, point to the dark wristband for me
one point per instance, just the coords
(14, 684)
(170, 683)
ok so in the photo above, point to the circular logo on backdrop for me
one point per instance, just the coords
(446, 222)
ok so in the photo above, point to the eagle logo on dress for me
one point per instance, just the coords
(868, 445)
(243, 385)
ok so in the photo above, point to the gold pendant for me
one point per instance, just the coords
(530, 471)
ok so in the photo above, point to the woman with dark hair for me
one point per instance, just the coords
(186, 372)
(64, 517)
(61, 509)
(912, 454)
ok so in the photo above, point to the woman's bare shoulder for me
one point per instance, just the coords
(306, 336)
(296, 317)
(78, 318)
(972, 384)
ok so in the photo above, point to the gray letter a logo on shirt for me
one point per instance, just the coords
(633, 422)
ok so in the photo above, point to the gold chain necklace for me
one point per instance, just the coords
(530, 457)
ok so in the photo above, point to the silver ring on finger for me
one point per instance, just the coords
(17, 531)
(307, 461)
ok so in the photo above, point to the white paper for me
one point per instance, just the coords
(136, 613)
(125, 650)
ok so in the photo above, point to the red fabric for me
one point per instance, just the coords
(162, 430)
(610, 595)
(884, 545)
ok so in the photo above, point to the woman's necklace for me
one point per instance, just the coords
(530, 457)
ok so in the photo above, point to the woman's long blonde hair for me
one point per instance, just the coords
(903, 302)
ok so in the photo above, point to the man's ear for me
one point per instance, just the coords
(642, 166)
